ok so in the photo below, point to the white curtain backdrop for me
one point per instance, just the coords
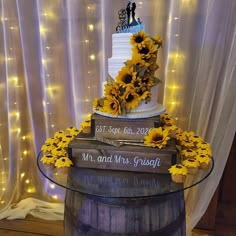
(53, 60)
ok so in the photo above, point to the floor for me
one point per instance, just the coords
(36, 227)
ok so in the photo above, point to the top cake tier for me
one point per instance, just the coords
(121, 52)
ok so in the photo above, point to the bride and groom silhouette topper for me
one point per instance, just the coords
(127, 17)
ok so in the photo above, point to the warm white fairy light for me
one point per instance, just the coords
(52, 186)
(91, 27)
(22, 175)
(31, 190)
(27, 181)
(55, 197)
(25, 152)
(92, 57)
(43, 30)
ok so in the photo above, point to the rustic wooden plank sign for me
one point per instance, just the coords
(117, 128)
(95, 154)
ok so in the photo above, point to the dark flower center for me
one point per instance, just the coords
(138, 39)
(113, 106)
(129, 98)
(144, 51)
(127, 78)
(178, 166)
(157, 138)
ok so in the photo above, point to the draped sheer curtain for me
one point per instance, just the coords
(53, 60)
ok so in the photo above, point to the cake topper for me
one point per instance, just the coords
(127, 20)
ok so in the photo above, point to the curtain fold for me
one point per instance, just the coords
(53, 60)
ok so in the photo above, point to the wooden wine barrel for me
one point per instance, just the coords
(90, 215)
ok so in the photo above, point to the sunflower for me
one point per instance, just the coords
(112, 106)
(139, 39)
(205, 151)
(58, 152)
(59, 134)
(137, 61)
(168, 121)
(112, 89)
(47, 148)
(125, 76)
(178, 169)
(63, 144)
(63, 162)
(147, 51)
(148, 81)
(157, 137)
(51, 141)
(131, 98)
(48, 159)
(73, 131)
(97, 104)
(158, 40)
(203, 145)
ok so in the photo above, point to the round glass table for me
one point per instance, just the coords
(112, 202)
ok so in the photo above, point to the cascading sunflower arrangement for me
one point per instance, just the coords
(195, 152)
(134, 81)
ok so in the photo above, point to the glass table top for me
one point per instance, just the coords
(114, 183)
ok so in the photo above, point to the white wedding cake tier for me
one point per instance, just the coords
(121, 52)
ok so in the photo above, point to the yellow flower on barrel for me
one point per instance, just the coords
(131, 98)
(112, 106)
(157, 137)
(125, 76)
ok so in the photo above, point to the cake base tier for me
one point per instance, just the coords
(136, 115)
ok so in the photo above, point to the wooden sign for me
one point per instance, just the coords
(94, 154)
(117, 128)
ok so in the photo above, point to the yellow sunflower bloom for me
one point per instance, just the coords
(139, 39)
(178, 169)
(48, 159)
(148, 81)
(192, 162)
(205, 151)
(59, 134)
(147, 51)
(63, 144)
(47, 148)
(73, 131)
(137, 61)
(157, 137)
(58, 152)
(131, 98)
(158, 40)
(63, 162)
(112, 89)
(112, 106)
(125, 76)
(203, 145)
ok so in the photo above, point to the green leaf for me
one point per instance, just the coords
(110, 79)
(156, 80)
